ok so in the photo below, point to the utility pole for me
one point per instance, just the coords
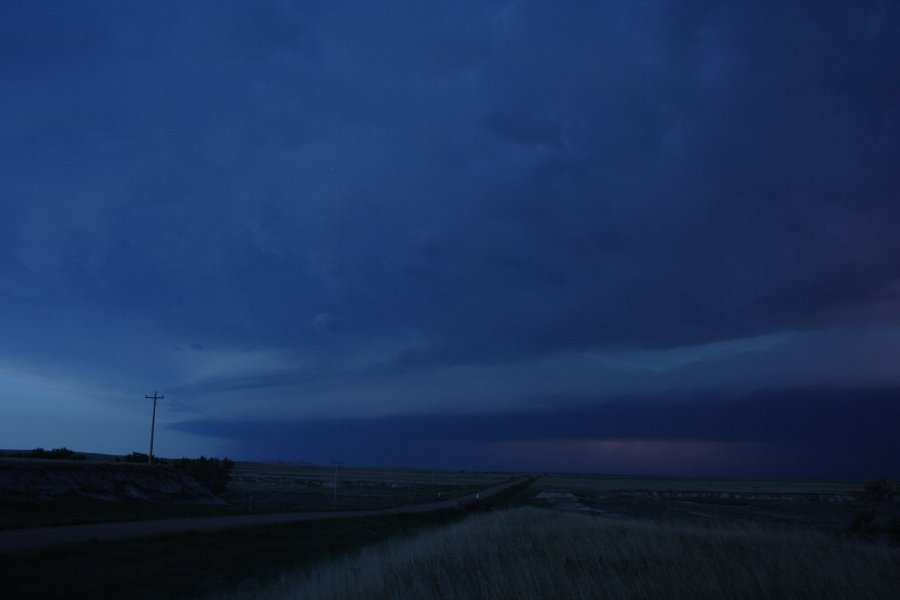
(154, 397)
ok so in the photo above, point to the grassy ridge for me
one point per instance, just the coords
(533, 553)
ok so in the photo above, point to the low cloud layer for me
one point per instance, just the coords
(836, 433)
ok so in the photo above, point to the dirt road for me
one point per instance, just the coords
(25, 539)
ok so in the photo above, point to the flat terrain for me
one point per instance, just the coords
(100, 493)
(282, 487)
(26, 539)
(540, 553)
(620, 483)
(645, 526)
(197, 564)
(798, 503)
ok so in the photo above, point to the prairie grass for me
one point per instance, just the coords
(198, 564)
(592, 484)
(308, 488)
(534, 553)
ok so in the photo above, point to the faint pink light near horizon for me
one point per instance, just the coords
(639, 457)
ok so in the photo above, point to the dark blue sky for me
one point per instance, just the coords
(643, 237)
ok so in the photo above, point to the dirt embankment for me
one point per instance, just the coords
(34, 480)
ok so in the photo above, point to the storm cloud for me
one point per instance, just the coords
(355, 210)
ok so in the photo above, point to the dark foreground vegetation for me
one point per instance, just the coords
(647, 538)
(55, 498)
(541, 553)
(57, 491)
(196, 565)
(211, 472)
(78, 511)
(55, 454)
(689, 545)
(202, 564)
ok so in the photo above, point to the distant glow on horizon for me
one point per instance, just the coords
(42, 410)
(640, 457)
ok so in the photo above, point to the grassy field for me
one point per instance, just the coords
(273, 487)
(195, 565)
(200, 564)
(260, 488)
(594, 484)
(638, 538)
(75, 511)
(534, 553)
(800, 503)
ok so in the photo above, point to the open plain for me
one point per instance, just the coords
(398, 533)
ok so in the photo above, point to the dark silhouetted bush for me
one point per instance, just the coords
(140, 457)
(211, 472)
(55, 454)
(136, 457)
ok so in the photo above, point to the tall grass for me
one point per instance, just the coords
(533, 553)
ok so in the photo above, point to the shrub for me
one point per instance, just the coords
(211, 472)
(136, 457)
(55, 454)
(140, 457)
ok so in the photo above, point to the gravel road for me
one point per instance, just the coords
(26, 539)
